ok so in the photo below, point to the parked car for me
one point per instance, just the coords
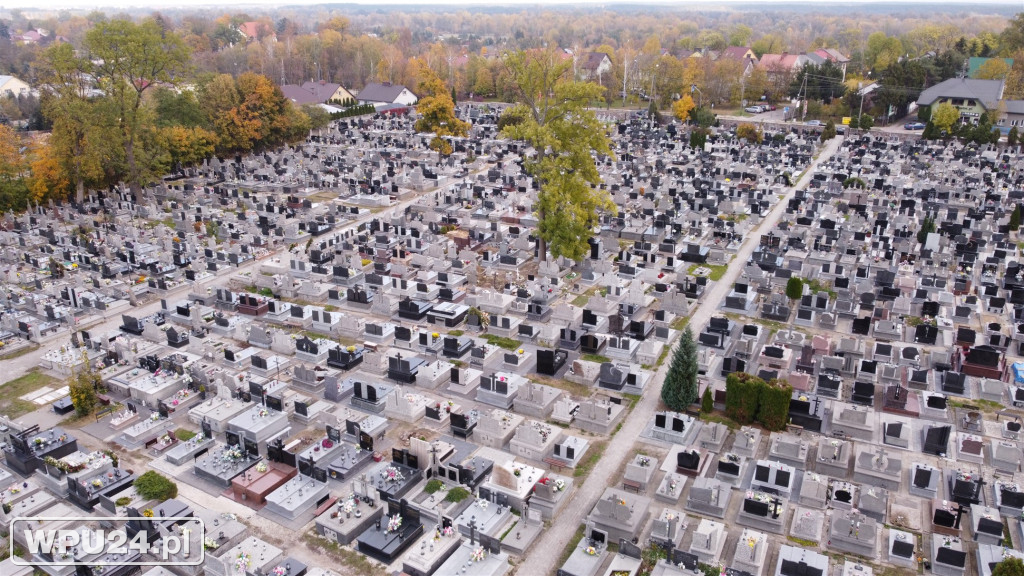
(771, 107)
(753, 109)
(913, 126)
(815, 123)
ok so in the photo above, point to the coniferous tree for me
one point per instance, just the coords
(679, 389)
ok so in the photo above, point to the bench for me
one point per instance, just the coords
(631, 485)
(103, 399)
(555, 463)
(323, 507)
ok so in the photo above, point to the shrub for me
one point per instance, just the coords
(123, 501)
(433, 485)
(457, 494)
(155, 486)
(750, 133)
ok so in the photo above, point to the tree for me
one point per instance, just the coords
(749, 132)
(698, 138)
(83, 386)
(679, 389)
(944, 116)
(865, 122)
(437, 113)
(993, 69)
(682, 107)
(565, 134)
(794, 288)
(132, 59)
(707, 401)
(829, 132)
(1015, 219)
(1013, 137)
(927, 227)
(1011, 566)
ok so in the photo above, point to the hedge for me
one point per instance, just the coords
(742, 394)
(749, 398)
(773, 400)
(154, 486)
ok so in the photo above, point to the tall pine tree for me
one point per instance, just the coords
(679, 389)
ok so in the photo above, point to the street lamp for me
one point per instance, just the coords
(700, 94)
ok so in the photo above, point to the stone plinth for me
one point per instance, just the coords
(763, 512)
(854, 533)
(747, 441)
(712, 436)
(708, 541)
(808, 524)
(844, 494)
(788, 449)
(346, 520)
(222, 464)
(875, 467)
(751, 552)
(620, 514)
(709, 496)
(814, 490)
(949, 558)
(671, 488)
(730, 468)
(253, 487)
(873, 502)
(923, 480)
(901, 548)
(834, 457)
(774, 478)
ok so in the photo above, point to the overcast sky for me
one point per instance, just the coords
(90, 4)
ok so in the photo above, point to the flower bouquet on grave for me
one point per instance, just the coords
(198, 438)
(262, 413)
(482, 503)
(394, 523)
(97, 483)
(478, 555)
(232, 454)
(559, 485)
(261, 467)
(148, 512)
(644, 461)
(517, 472)
(154, 416)
(448, 531)
(348, 506)
(14, 489)
(210, 544)
(327, 443)
(392, 474)
(38, 441)
(590, 550)
(280, 571)
(242, 562)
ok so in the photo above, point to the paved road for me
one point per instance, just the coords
(541, 558)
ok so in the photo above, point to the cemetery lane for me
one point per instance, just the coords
(540, 559)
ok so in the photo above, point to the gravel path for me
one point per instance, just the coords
(541, 558)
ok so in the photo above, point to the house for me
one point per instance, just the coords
(380, 94)
(782, 62)
(972, 97)
(34, 36)
(254, 30)
(11, 86)
(741, 54)
(316, 93)
(594, 65)
(822, 55)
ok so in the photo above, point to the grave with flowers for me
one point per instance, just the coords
(392, 533)
(347, 519)
(436, 545)
(949, 555)
(249, 557)
(222, 463)
(751, 551)
(620, 514)
(855, 533)
(709, 496)
(550, 495)
(763, 512)
(588, 556)
(259, 424)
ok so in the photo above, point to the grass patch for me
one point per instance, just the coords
(184, 434)
(581, 300)
(716, 270)
(816, 286)
(345, 556)
(733, 217)
(502, 342)
(18, 353)
(586, 465)
(803, 542)
(721, 419)
(506, 532)
(571, 545)
(456, 333)
(595, 358)
(578, 390)
(679, 323)
(975, 404)
(457, 494)
(11, 405)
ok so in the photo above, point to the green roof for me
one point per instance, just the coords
(975, 62)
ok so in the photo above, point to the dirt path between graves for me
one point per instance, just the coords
(540, 559)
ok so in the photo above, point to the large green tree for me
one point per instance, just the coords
(564, 133)
(437, 112)
(1009, 567)
(130, 60)
(944, 116)
(679, 389)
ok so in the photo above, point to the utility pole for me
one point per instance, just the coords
(861, 111)
(802, 98)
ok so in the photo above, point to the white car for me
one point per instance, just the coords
(753, 109)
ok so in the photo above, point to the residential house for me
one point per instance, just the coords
(382, 94)
(972, 97)
(741, 54)
(35, 36)
(594, 65)
(11, 86)
(316, 93)
(822, 55)
(254, 30)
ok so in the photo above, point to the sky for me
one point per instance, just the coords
(155, 4)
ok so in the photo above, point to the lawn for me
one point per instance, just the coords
(590, 459)
(717, 271)
(11, 404)
(502, 342)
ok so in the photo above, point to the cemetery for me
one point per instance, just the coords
(372, 349)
